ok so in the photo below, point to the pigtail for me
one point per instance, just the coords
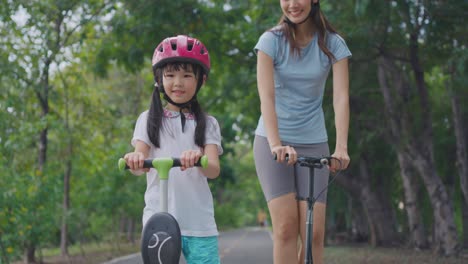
(155, 113)
(200, 129)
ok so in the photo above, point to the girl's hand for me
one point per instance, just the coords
(188, 158)
(135, 161)
(282, 151)
(343, 157)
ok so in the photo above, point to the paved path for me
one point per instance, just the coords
(251, 245)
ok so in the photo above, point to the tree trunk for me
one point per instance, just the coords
(461, 144)
(417, 233)
(30, 254)
(418, 147)
(465, 224)
(131, 230)
(66, 177)
(379, 213)
(446, 241)
(66, 207)
(445, 237)
(360, 225)
(42, 94)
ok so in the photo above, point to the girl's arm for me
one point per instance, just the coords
(188, 159)
(266, 90)
(213, 169)
(136, 159)
(341, 108)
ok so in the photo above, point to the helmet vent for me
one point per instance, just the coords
(181, 49)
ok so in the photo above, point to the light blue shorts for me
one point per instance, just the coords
(200, 250)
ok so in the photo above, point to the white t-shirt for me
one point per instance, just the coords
(189, 197)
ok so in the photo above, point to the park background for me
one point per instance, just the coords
(75, 74)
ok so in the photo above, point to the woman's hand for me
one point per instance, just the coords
(188, 158)
(283, 151)
(343, 157)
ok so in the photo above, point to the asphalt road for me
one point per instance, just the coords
(252, 245)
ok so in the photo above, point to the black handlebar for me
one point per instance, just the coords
(310, 161)
(148, 163)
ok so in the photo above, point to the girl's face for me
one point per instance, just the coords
(296, 10)
(180, 84)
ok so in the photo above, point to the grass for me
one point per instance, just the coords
(366, 254)
(339, 254)
(93, 253)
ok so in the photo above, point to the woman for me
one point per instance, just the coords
(293, 62)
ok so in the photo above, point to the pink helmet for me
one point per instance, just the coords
(181, 48)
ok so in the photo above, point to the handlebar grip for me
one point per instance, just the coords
(202, 162)
(309, 160)
(148, 163)
(275, 157)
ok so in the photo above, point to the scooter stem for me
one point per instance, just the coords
(163, 165)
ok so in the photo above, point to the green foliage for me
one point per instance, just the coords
(100, 79)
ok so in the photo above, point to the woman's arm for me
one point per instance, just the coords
(341, 108)
(266, 90)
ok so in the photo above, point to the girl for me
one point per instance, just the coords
(181, 129)
(293, 62)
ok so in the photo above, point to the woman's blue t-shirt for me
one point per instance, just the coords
(299, 86)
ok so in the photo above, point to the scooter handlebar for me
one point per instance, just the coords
(164, 162)
(309, 161)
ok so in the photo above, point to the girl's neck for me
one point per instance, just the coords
(175, 108)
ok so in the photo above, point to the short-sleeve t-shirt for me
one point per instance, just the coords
(189, 197)
(299, 85)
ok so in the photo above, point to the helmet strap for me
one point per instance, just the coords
(182, 106)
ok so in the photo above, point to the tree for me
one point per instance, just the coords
(409, 109)
(45, 35)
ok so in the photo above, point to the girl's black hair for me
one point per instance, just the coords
(156, 111)
(321, 25)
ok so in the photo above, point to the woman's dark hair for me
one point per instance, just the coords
(321, 25)
(156, 111)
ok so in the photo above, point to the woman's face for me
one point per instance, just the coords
(296, 10)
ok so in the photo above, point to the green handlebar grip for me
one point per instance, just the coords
(122, 164)
(204, 161)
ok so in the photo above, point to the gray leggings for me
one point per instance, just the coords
(278, 179)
